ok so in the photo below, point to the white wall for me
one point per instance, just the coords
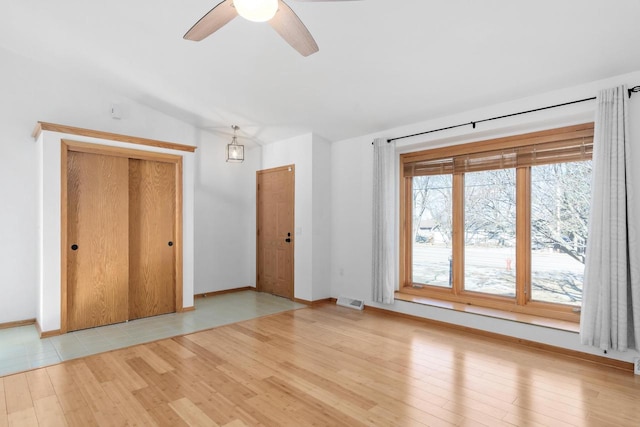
(352, 186)
(49, 296)
(28, 93)
(311, 156)
(298, 151)
(351, 218)
(225, 216)
(31, 92)
(321, 218)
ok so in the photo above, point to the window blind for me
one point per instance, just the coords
(556, 146)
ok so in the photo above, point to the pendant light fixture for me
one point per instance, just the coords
(235, 151)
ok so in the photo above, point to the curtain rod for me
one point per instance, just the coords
(473, 124)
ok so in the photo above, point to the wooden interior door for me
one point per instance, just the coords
(275, 231)
(152, 249)
(97, 240)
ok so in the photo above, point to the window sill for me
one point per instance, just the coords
(546, 322)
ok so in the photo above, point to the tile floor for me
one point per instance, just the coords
(21, 348)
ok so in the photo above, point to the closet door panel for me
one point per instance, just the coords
(98, 241)
(152, 210)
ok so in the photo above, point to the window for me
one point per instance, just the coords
(431, 233)
(490, 232)
(560, 196)
(499, 223)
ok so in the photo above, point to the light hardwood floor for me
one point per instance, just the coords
(329, 366)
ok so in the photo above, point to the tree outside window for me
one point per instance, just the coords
(500, 223)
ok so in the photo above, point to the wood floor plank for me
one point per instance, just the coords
(73, 401)
(362, 414)
(311, 409)
(165, 416)
(74, 406)
(49, 412)
(330, 384)
(4, 420)
(191, 414)
(191, 344)
(178, 349)
(61, 379)
(101, 368)
(17, 395)
(216, 405)
(161, 385)
(235, 423)
(521, 416)
(23, 418)
(324, 366)
(103, 409)
(127, 404)
(474, 416)
(117, 360)
(39, 384)
(151, 397)
(152, 359)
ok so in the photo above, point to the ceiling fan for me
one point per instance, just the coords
(279, 15)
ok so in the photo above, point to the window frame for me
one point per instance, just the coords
(522, 303)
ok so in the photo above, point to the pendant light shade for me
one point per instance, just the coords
(235, 151)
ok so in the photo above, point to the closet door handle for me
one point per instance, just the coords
(170, 243)
(74, 247)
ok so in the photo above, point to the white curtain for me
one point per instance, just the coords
(610, 317)
(384, 196)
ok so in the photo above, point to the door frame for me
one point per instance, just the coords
(68, 145)
(292, 169)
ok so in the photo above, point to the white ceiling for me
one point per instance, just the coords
(381, 64)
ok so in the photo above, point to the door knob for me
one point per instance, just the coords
(74, 247)
(288, 240)
(170, 243)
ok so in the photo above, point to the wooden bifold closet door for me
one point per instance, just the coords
(121, 239)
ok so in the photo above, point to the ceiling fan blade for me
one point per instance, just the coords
(212, 21)
(290, 27)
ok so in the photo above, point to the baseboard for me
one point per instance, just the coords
(17, 323)
(225, 291)
(605, 361)
(187, 309)
(251, 288)
(47, 334)
(314, 302)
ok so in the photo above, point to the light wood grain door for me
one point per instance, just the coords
(97, 240)
(152, 210)
(275, 231)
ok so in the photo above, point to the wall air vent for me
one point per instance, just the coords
(351, 303)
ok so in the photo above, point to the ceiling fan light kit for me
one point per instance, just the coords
(256, 10)
(279, 15)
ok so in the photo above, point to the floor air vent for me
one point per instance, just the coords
(351, 303)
